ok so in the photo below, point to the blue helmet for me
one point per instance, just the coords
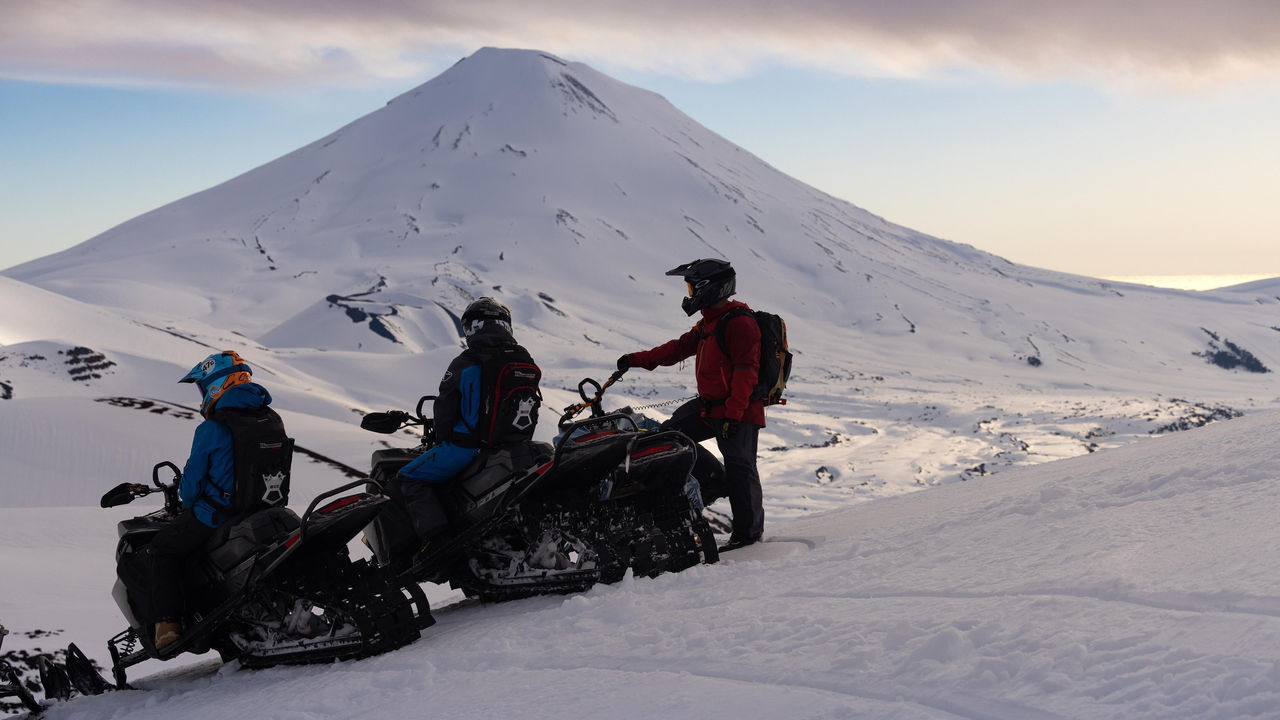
(215, 375)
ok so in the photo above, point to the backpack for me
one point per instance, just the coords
(263, 457)
(775, 355)
(509, 411)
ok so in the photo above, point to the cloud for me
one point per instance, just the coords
(246, 43)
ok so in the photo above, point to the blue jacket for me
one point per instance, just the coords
(456, 411)
(208, 480)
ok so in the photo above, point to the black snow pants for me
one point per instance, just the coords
(739, 450)
(153, 575)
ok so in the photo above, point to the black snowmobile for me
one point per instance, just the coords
(271, 589)
(534, 518)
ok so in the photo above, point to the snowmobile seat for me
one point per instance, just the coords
(236, 539)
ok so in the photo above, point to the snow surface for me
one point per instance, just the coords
(1132, 583)
(1073, 556)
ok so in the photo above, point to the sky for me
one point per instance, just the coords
(1099, 138)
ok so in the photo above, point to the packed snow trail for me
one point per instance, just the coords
(1133, 583)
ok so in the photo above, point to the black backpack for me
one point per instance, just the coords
(775, 355)
(509, 412)
(263, 456)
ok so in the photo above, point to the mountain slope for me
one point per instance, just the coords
(566, 194)
(515, 172)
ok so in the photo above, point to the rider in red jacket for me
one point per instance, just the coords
(724, 408)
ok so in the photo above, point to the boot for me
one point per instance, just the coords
(166, 634)
(735, 543)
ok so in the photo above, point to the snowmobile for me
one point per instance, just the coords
(271, 588)
(537, 518)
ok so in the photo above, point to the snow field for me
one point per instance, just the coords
(1131, 583)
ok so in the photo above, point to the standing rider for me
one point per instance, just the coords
(238, 417)
(724, 408)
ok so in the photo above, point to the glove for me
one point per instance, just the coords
(624, 363)
(726, 428)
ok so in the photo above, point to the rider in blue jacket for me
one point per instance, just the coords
(207, 493)
(459, 411)
(208, 480)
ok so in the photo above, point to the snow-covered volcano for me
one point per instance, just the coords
(566, 194)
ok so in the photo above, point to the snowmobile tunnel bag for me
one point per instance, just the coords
(484, 474)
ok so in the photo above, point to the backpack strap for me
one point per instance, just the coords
(722, 327)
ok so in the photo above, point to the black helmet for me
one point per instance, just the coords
(710, 281)
(485, 314)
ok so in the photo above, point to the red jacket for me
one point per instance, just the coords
(724, 383)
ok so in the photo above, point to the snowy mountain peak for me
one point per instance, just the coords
(509, 166)
(526, 80)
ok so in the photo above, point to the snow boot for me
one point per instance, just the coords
(166, 634)
(734, 544)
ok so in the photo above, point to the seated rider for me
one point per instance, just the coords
(488, 398)
(207, 490)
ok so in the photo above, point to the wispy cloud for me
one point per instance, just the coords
(241, 43)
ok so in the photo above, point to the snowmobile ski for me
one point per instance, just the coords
(53, 678)
(83, 675)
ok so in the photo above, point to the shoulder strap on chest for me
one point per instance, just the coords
(722, 326)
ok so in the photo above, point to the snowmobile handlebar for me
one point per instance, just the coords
(127, 492)
(592, 402)
(386, 422)
(155, 475)
(417, 411)
(390, 421)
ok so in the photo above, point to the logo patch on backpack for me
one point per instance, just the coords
(273, 485)
(524, 419)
